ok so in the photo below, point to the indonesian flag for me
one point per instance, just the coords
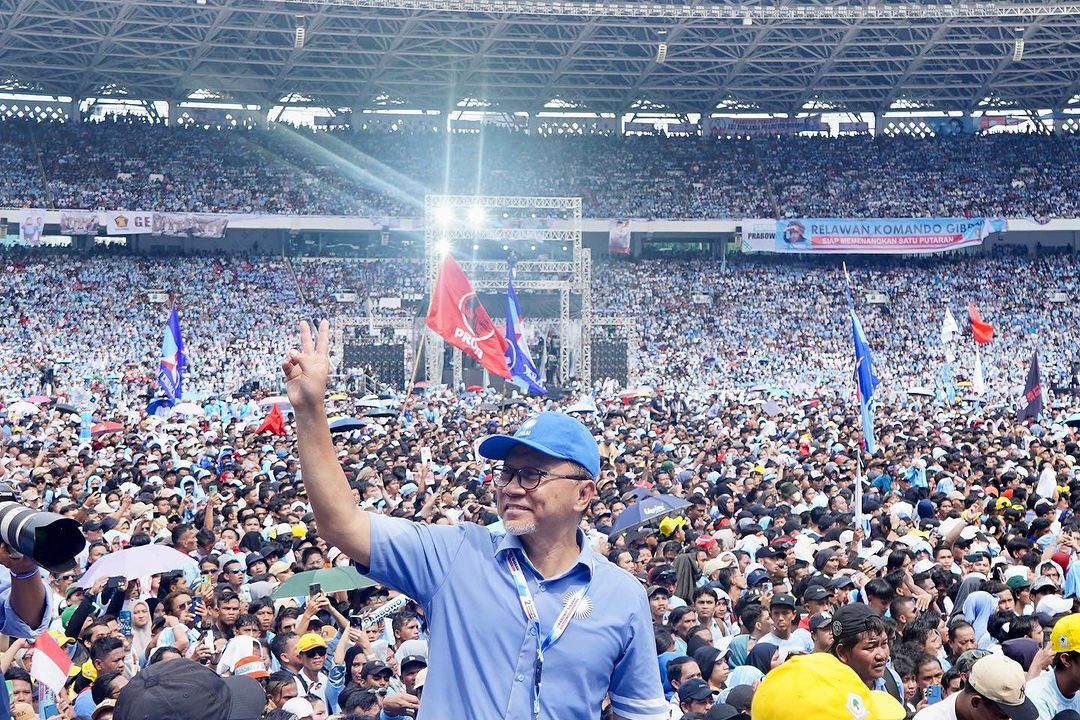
(457, 316)
(50, 665)
(983, 332)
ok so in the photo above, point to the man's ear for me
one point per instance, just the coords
(586, 491)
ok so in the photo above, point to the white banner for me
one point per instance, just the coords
(129, 222)
(31, 224)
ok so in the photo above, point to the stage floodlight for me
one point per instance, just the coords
(444, 215)
(476, 216)
(443, 247)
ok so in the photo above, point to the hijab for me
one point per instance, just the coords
(141, 636)
(978, 609)
(761, 657)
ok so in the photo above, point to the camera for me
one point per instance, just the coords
(53, 541)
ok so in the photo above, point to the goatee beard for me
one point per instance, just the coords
(521, 527)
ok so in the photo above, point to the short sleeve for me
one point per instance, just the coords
(11, 624)
(410, 557)
(635, 689)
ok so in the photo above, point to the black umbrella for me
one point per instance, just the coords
(646, 510)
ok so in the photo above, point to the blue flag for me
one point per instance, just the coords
(173, 359)
(867, 380)
(522, 371)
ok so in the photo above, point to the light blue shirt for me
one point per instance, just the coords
(1044, 693)
(482, 651)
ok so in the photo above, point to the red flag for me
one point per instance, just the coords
(273, 423)
(457, 316)
(982, 331)
(50, 665)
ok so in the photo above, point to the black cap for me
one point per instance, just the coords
(695, 689)
(253, 557)
(740, 697)
(820, 620)
(815, 593)
(248, 699)
(171, 691)
(767, 552)
(413, 660)
(722, 711)
(375, 667)
(658, 590)
(706, 658)
(851, 620)
(783, 600)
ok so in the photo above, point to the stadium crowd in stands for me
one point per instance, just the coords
(126, 164)
(944, 599)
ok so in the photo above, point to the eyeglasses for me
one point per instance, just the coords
(528, 477)
(68, 577)
(314, 652)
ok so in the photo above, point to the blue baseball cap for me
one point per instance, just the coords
(552, 433)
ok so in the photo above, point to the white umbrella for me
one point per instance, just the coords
(279, 400)
(188, 408)
(135, 563)
(22, 407)
(920, 390)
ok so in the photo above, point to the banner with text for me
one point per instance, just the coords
(78, 222)
(867, 235)
(767, 126)
(129, 222)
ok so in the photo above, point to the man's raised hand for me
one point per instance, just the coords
(307, 369)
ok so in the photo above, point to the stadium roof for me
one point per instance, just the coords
(774, 57)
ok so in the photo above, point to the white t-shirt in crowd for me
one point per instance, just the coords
(1043, 691)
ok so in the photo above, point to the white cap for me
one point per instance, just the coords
(299, 707)
(1001, 681)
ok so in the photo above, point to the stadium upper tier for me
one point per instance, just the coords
(120, 165)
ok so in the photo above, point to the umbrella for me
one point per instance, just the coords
(68, 409)
(646, 510)
(104, 428)
(158, 406)
(370, 403)
(513, 402)
(585, 405)
(1073, 420)
(338, 396)
(381, 414)
(335, 579)
(135, 563)
(188, 408)
(920, 390)
(346, 424)
(474, 388)
(39, 399)
(280, 400)
(22, 407)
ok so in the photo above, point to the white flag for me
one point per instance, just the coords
(948, 327)
(978, 383)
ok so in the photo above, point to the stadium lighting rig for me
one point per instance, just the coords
(746, 14)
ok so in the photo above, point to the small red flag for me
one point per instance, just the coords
(457, 316)
(273, 423)
(983, 332)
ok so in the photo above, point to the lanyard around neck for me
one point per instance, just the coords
(533, 618)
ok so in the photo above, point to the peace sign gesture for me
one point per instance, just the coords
(306, 370)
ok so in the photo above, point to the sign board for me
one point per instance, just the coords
(877, 298)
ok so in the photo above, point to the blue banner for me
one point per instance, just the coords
(173, 359)
(522, 371)
(867, 235)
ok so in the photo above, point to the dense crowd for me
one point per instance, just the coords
(132, 165)
(943, 596)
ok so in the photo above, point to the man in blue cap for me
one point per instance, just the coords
(525, 623)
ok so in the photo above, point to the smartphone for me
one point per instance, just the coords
(932, 694)
(314, 589)
(425, 455)
(356, 620)
(209, 638)
(113, 584)
(125, 622)
(213, 488)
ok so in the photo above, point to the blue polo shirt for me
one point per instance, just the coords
(482, 651)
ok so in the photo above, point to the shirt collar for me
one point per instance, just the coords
(586, 558)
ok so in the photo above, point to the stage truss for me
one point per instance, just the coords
(566, 277)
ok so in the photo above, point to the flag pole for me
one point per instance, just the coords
(859, 519)
(415, 368)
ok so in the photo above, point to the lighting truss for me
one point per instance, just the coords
(574, 276)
